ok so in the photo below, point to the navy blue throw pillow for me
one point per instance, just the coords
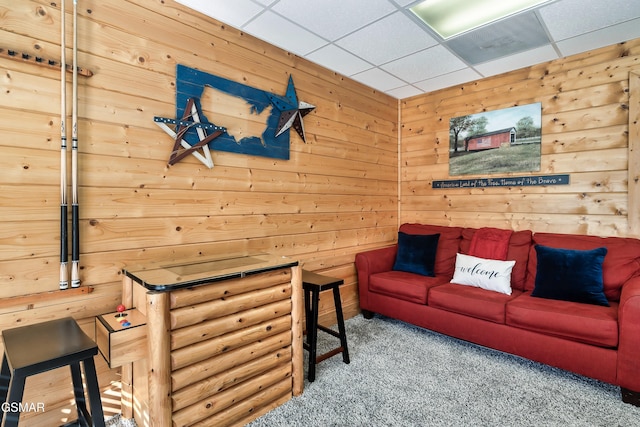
(570, 275)
(416, 253)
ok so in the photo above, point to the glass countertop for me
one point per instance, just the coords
(170, 275)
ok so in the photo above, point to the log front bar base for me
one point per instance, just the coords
(224, 340)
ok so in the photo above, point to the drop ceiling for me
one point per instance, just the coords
(383, 45)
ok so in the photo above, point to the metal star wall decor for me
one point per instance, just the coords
(240, 109)
(191, 119)
(291, 110)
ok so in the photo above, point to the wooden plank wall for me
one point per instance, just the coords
(585, 133)
(336, 196)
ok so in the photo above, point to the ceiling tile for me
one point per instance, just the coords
(378, 79)
(235, 14)
(390, 38)
(352, 37)
(520, 60)
(404, 92)
(605, 37)
(403, 3)
(288, 35)
(569, 18)
(337, 59)
(447, 80)
(425, 64)
(333, 19)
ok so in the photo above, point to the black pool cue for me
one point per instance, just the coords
(75, 222)
(64, 274)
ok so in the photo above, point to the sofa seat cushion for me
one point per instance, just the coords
(402, 285)
(471, 301)
(587, 323)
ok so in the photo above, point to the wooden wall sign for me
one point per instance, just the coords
(253, 121)
(507, 181)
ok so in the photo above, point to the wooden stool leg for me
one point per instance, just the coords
(307, 312)
(78, 393)
(16, 391)
(312, 334)
(93, 389)
(5, 378)
(341, 329)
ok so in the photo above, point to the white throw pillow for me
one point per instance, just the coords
(489, 274)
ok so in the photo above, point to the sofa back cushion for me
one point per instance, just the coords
(519, 245)
(448, 245)
(621, 262)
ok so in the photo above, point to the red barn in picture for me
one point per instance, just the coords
(489, 140)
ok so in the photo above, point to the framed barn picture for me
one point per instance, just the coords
(498, 141)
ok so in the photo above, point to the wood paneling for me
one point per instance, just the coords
(586, 123)
(336, 196)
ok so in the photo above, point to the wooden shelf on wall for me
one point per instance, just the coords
(29, 301)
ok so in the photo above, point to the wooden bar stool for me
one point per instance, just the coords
(313, 284)
(30, 350)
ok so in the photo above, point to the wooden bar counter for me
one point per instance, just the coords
(224, 340)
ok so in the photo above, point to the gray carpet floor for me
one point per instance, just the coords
(401, 375)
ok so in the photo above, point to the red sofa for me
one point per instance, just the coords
(592, 340)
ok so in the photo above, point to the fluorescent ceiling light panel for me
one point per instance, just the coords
(450, 18)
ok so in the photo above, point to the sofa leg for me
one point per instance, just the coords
(630, 396)
(367, 314)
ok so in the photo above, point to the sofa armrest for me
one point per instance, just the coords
(629, 339)
(372, 262)
(376, 260)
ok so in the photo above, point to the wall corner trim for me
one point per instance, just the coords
(633, 190)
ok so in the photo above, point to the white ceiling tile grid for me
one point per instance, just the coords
(380, 43)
